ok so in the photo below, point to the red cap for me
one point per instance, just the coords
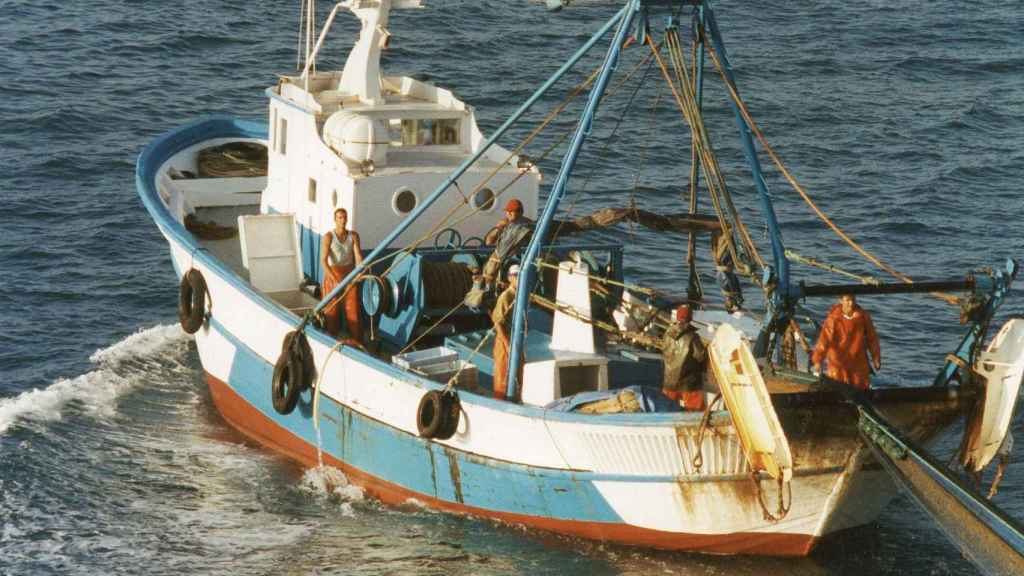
(514, 205)
(683, 313)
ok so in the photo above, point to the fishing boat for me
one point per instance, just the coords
(408, 413)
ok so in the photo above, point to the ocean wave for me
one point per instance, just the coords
(96, 391)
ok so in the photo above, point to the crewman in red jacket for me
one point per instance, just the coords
(846, 338)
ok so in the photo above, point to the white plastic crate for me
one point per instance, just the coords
(422, 360)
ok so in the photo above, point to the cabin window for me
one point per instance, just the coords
(404, 201)
(312, 191)
(282, 136)
(446, 131)
(410, 132)
(425, 132)
(483, 200)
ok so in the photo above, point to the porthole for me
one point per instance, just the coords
(404, 201)
(483, 199)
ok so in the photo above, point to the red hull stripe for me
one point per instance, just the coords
(251, 422)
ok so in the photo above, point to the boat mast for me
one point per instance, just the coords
(526, 275)
(775, 280)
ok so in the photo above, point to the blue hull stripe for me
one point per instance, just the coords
(421, 466)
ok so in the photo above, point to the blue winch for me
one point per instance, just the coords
(432, 283)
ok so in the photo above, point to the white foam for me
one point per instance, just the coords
(97, 390)
(145, 342)
(329, 481)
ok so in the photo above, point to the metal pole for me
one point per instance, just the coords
(427, 202)
(778, 251)
(625, 17)
(694, 290)
(894, 288)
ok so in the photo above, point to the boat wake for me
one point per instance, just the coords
(120, 368)
(331, 483)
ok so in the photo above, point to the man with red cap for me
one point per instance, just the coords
(513, 212)
(685, 358)
(506, 236)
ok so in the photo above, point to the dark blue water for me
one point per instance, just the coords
(904, 120)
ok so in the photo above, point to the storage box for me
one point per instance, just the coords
(422, 360)
(467, 379)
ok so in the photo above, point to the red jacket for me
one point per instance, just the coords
(844, 344)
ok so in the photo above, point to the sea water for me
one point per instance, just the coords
(905, 122)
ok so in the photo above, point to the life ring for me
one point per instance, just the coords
(438, 414)
(192, 301)
(292, 372)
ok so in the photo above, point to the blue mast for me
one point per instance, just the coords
(526, 275)
(778, 251)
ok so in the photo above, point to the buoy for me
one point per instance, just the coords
(293, 372)
(192, 301)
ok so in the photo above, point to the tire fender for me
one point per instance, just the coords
(293, 372)
(192, 301)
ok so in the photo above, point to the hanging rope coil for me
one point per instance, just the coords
(445, 284)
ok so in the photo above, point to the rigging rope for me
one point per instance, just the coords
(694, 287)
(715, 181)
(799, 189)
(575, 194)
(794, 257)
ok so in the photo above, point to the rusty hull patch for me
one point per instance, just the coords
(433, 467)
(453, 470)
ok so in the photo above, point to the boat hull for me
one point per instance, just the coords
(629, 479)
(249, 421)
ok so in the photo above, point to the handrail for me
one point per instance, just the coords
(311, 58)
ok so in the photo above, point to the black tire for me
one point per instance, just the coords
(192, 301)
(430, 415)
(452, 410)
(292, 373)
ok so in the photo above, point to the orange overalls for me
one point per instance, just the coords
(350, 299)
(844, 344)
(501, 315)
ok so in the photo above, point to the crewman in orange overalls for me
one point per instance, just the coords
(339, 254)
(847, 337)
(501, 315)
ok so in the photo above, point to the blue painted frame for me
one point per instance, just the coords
(527, 274)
